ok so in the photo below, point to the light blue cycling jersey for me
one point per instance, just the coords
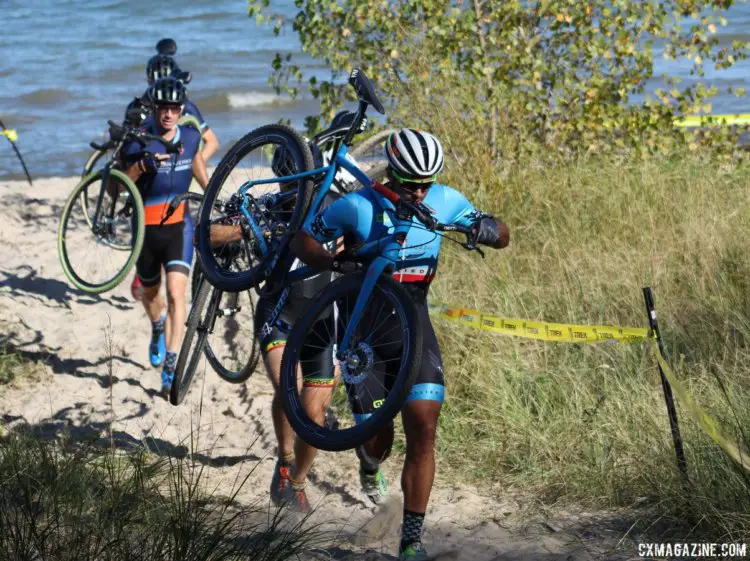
(367, 215)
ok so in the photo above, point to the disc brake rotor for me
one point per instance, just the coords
(356, 364)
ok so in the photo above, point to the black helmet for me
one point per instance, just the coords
(159, 66)
(168, 91)
(166, 46)
(282, 162)
(182, 76)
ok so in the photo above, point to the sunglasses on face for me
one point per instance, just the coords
(169, 108)
(413, 184)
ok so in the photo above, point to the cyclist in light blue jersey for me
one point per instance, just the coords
(415, 158)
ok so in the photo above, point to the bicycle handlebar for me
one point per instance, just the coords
(120, 133)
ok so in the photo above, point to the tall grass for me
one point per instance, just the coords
(74, 501)
(14, 369)
(588, 424)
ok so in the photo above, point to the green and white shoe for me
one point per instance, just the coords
(413, 552)
(374, 485)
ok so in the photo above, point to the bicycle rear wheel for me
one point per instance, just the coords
(87, 252)
(192, 121)
(199, 323)
(374, 374)
(94, 159)
(277, 209)
(231, 347)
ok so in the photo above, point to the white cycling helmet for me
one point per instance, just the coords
(414, 155)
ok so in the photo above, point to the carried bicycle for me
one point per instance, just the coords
(104, 217)
(219, 325)
(211, 304)
(368, 319)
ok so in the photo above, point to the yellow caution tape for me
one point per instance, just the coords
(698, 120)
(540, 330)
(709, 425)
(11, 134)
(570, 333)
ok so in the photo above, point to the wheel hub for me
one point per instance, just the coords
(357, 363)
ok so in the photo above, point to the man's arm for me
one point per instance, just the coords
(311, 252)
(199, 170)
(134, 171)
(147, 164)
(488, 230)
(210, 144)
(222, 234)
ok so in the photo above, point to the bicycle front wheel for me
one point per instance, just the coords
(369, 380)
(201, 316)
(277, 208)
(97, 257)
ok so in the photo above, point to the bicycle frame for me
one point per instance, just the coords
(389, 246)
(105, 178)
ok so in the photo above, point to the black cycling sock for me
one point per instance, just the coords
(411, 529)
(157, 327)
(170, 362)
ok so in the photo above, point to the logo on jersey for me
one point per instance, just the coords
(384, 219)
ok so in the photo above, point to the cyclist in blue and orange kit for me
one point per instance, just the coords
(160, 66)
(415, 158)
(161, 177)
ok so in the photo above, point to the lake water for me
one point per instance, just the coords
(66, 66)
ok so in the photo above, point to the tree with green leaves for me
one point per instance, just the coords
(568, 71)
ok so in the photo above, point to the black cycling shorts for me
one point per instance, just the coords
(428, 385)
(316, 358)
(171, 246)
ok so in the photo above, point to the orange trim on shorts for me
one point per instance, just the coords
(155, 212)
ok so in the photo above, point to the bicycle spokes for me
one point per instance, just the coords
(98, 234)
(262, 211)
(360, 378)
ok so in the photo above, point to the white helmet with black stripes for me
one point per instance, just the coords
(414, 155)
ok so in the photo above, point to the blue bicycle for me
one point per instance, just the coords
(363, 329)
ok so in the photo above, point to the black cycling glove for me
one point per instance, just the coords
(148, 164)
(486, 231)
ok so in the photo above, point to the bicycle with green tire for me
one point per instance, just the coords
(104, 216)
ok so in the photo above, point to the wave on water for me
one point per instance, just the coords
(46, 96)
(205, 16)
(238, 101)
